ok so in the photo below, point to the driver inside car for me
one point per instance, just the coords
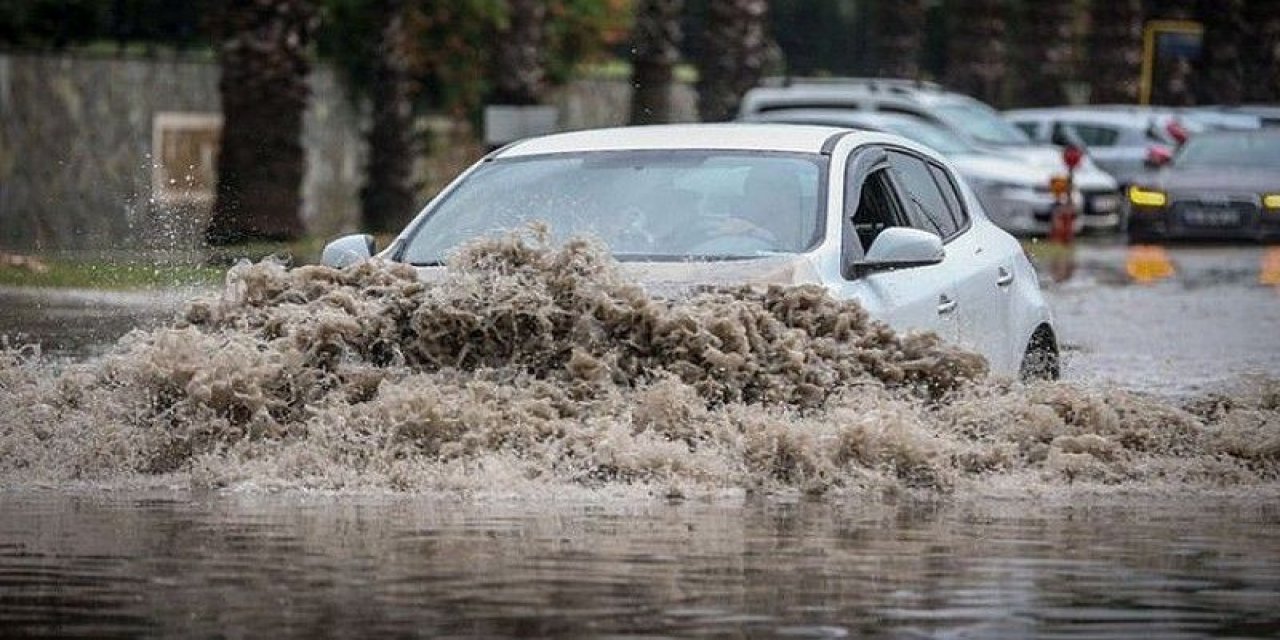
(762, 220)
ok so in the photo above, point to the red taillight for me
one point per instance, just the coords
(1176, 131)
(1158, 155)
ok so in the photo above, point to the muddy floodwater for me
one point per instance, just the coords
(235, 566)
(314, 453)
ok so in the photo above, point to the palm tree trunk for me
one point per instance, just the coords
(976, 50)
(387, 198)
(521, 71)
(734, 57)
(655, 45)
(1263, 83)
(1046, 52)
(899, 35)
(263, 55)
(1115, 50)
(1220, 70)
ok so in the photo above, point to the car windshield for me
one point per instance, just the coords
(981, 123)
(1230, 150)
(940, 139)
(650, 205)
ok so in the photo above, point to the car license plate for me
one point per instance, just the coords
(1105, 204)
(1212, 217)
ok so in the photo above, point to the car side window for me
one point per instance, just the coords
(1095, 135)
(951, 193)
(1031, 128)
(877, 208)
(927, 210)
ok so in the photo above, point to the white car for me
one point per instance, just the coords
(1124, 142)
(869, 216)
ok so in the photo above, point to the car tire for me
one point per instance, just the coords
(1041, 360)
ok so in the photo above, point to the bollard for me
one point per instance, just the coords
(1062, 223)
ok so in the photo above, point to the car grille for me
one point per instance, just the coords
(1101, 203)
(1216, 212)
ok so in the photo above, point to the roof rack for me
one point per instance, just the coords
(887, 84)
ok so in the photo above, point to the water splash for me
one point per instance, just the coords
(526, 367)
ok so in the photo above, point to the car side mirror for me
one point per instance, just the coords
(348, 250)
(899, 248)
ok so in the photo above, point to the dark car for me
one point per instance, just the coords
(1221, 185)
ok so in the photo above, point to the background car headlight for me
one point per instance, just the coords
(1271, 200)
(1147, 197)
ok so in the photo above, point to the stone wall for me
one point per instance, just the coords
(76, 152)
(76, 138)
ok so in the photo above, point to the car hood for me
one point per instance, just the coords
(1217, 179)
(1049, 158)
(675, 278)
(997, 168)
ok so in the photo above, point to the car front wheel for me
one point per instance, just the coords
(1041, 361)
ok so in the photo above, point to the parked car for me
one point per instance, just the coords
(869, 216)
(1220, 185)
(1127, 143)
(1014, 193)
(971, 120)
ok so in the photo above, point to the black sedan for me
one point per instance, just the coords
(1221, 185)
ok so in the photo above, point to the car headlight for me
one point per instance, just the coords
(1271, 200)
(1147, 197)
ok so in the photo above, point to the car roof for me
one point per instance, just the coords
(837, 117)
(1266, 132)
(1113, 116)
(728, 136)
(835, 96)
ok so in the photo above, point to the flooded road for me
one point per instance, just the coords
(234, 566)
(272, 491)
(1206, 316)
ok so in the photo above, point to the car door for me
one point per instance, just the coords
(914, 299)
(977, 275)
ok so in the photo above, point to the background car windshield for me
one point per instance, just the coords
(650, 204)
(1233, 150)
(982, 123)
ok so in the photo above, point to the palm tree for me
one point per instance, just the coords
(734, 57)
(655, 43)
(1046, 52)
(899, 34)
(1264, 67)
(263, 55)
(1220, 69)
(521, 56)
(1115, 50)
(388, 194)
(976, 50)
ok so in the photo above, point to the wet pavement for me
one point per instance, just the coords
(79, 323)
(1171, 320)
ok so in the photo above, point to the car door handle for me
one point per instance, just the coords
(946, 305)
(1004, 277)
